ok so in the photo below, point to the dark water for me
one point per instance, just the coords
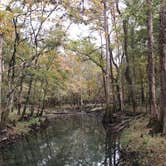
(70, 141)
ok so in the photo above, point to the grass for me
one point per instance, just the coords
(137, 138)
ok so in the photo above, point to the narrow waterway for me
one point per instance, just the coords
(69, 141)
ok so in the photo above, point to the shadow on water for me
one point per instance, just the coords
(69, 141)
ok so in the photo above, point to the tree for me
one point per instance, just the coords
(107, 51)
(162, 47)
(151, 64)
(1, 73)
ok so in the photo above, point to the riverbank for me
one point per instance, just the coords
(141, 147)
(17, 130)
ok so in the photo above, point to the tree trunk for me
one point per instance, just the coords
(19, 96)
(151, 64)
(43, 99)
(111, 75)
(162, 45)
(120, 95)
(142, 87)
(108, 107)
(102, 62)
(4, 111)
(27, 98)
(1, 72)
(11, 71)
(133, 68)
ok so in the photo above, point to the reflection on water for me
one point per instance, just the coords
(112, 149)
(70, 141)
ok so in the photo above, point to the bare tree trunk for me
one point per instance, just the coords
(108, 107)
(111, 75)
(102, 62)
(19, 96)
(162, 43)
(12, 63)
(44, 97)
(151, 64)
(40, 98)
(120, 95)
(4, 111)
(27, 98)
(142, 87)
(43, 102)
(1, 72)
(133, 68)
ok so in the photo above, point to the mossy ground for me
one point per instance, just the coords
(151, 148)
(22, 126)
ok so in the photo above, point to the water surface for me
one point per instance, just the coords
(69, 141)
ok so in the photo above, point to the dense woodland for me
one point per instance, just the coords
(118, 61)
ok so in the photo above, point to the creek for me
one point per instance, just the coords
(78, 140)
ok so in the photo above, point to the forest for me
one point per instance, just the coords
(67, 64)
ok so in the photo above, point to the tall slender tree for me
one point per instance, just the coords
(162, 44)
(108, 92)
(151, 63)
(1, 72)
